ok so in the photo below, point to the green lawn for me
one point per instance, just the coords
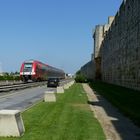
(126, 100)
(70, 118)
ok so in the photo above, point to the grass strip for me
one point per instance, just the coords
(126, 100)
(70, 118)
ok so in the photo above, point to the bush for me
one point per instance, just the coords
(80, 78)
(9, 77)
(2, 78)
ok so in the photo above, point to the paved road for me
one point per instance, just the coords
(22, 99)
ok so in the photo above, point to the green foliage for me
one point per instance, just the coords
(9, 77)
(78, 72)
(80, 78)
(2, 77)
(17, 78)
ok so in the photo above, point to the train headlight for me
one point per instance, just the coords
(33, 73)
(21, 73)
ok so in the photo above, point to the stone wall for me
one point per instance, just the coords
(121, 47)
(116, 56)
(88, 70)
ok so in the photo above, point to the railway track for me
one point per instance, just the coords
(18, 86)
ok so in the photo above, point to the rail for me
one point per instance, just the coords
(6, 88)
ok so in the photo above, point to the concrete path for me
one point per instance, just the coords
(114, 124)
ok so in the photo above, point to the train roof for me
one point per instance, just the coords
(32, 61)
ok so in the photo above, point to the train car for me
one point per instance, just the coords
(37, 71)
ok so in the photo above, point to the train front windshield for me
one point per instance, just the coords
(28, 67)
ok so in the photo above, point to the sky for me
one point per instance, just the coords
(55, 32)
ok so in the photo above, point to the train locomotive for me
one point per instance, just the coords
(38, 71)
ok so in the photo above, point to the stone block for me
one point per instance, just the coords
(60, 89)
(66, 86)
(11, 123)
(49, 97)
(71, 83)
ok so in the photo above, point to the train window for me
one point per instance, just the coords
(28, 65)
(44, 67)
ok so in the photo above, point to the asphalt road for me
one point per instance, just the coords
(22, 99)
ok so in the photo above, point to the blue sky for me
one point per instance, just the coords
(56, 32)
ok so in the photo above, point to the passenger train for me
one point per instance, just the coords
(38, 71)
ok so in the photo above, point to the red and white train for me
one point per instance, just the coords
(37, 71)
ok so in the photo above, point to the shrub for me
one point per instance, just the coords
(80, 78)
(9, 77)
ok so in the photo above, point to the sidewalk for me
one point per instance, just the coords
(114, 124)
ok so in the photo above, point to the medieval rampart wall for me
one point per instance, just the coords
(120, 59)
